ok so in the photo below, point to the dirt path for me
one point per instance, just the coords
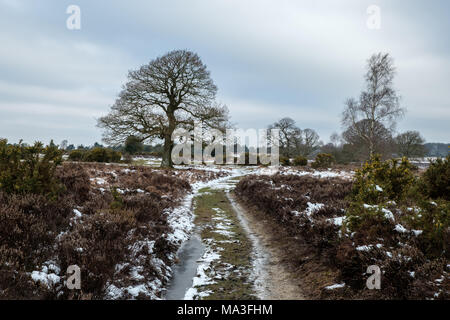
(238, 260)
(277, 281)
(224, 271)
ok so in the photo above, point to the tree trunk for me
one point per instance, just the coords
(372, 127)
(371, 148)
(168, 143)
(167, 152)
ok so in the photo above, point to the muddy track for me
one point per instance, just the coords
(278, 283)
(237, 259)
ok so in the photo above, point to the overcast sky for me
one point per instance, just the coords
(269, 59)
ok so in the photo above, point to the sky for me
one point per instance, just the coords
(269, 59)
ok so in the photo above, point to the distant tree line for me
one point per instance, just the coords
(132, 146)
(437, 149)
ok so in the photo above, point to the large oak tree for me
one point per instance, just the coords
(172, 91)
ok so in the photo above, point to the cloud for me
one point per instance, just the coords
(12, 4)
(270, 59)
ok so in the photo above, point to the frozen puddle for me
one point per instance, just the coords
(189, 253)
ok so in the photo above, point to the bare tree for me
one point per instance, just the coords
(378, 104)
(309, 142)
(293, 140)
(335, 139)
(289, 135)
(170, 92)
(410, 144)
(355, 134)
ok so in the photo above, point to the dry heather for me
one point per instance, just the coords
(308, 221)
(108, 219)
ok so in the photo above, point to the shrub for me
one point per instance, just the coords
(300, 161)
(433, 218)
(117, 203)
(436, 179)
(154, 182)
(29, 225)
(76, 155)
(133, 145)
(102, 155)
(97, 154)
(114, 156)
(29, 169)
(323, 160)
(114, 227)
(378, 181)
(280, 195)
(372, 221)
(75, 179)
(148, 208)
(97, 244)
(284, 161)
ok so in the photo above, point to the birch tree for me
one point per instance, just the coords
(377, 105)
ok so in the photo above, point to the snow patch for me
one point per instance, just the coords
(400, 228)
(335, 286)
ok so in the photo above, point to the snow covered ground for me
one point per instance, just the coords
(182, 218)
(181, 221)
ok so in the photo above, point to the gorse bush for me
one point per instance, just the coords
(26, 169)
(391, 183)
(378, 181)
(433, 219)
(300, 161)
(323, 160)
(284, 161)
(76, 155)
(435, 181)
(97, 154)
(375, 184)
(102, 155)
(373, 221)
